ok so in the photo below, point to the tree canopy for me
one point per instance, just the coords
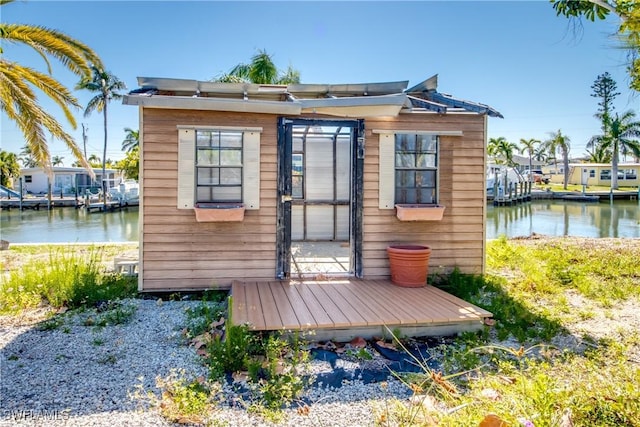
(19, 85)
(261, 70)
(628, 32)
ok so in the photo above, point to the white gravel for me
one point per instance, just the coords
(79, 375)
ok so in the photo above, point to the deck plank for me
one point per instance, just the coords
(288, 315)
(254, 308)
(334, 291)
(338, 318)
(454, 311)
(318, 312)
(298, 304)
(411, 299)
(270, 311)
(239, 302)
(374, 292)
(344, 308)
(374, 312)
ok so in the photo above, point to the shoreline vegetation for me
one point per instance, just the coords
(563, 348)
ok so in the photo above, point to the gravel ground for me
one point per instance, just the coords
(78, 375)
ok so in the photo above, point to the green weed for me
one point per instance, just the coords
(65, 276)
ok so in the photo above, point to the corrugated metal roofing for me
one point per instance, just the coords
(345, 100)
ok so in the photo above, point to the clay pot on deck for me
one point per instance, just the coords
(409, 265)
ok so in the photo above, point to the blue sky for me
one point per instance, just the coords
(516, 56)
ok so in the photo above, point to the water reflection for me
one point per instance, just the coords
(560, 218)
(68, 225)
(550, 217)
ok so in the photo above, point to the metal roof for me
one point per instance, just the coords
(343, 100)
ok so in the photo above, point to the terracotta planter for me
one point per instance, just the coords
(409, 265)
(406, 212)
(219, 212)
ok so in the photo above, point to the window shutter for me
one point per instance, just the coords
(387, 171)
(186, 168)
(251, 170)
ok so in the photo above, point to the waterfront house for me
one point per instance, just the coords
(598, 174)
(66, 180)
(257, 184)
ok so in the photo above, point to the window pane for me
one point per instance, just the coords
(404, 160)
(426, 161)
(203, 138)
(297, 143)
(406, 195)
(405, 179)
(296, 189)
(204, 194)
(426, 179)
(427, 195)
(231, 139)
(405, 142)
(208, 176)
(227, 194)
(208, 157)
(230, 176)
(230, 158)
(427, 143)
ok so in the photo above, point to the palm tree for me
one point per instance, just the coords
(621, 137)
(18, 99)
(9, 167)
(26, 158)
(529, 146)
(261, 70)
(107, 86)
(540, 154)
(94, 159)
(501, 150)
(57, 161)
(560, 143)
(598, 154)
(131, 140)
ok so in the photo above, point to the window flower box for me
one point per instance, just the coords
(419, 212)
(219, 212)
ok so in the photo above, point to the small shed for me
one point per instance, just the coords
(259, 182)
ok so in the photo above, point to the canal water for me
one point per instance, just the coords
(68, 225)
(550, 217)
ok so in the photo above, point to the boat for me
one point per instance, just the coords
(500, 178)
(127, 192)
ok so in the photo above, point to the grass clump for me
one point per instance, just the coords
(64, 277)
(532, 387)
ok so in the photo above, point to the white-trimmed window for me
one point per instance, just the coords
(416, 168)
(218, 164)
(408, 166)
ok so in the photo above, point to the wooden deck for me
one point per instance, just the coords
(343, 309)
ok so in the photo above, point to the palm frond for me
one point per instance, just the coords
(73, 54)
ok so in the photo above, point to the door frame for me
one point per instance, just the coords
(284, 190)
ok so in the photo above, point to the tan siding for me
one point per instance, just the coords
(457, 240)
(180, 253)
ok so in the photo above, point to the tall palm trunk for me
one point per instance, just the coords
(104, 159)
(614, 165)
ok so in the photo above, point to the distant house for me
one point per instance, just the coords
(261, 182)
(599, 174)
(65, 180)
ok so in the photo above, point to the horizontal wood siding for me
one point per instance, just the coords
(456, 240)
(180, 253)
